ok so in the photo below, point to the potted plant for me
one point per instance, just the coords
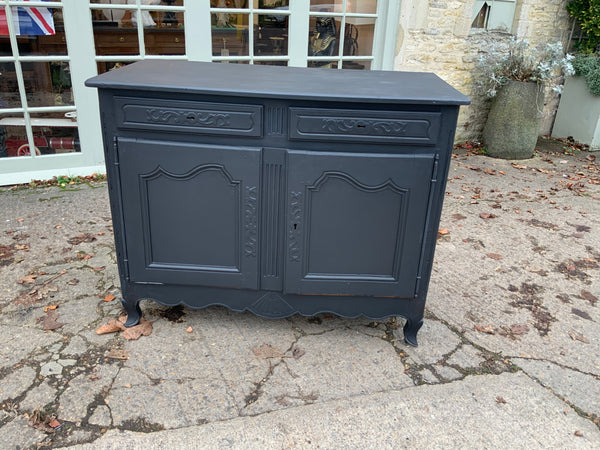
(513, 76)
(578, 114)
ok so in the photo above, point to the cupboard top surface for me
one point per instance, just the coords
(281, 82)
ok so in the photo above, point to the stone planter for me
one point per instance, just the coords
(511, 130)
(578, 114)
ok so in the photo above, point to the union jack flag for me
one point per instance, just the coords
(28, 21)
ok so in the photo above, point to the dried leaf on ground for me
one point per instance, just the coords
(443, 232)
(518, 166)
(27, 279)
(111, 327)
(42, 291)
(50, 308)
(495, 256)
(50, 321)
(489, 171)
(189, 329)
(500, 399)
(587, 295)
(458, 217)
(298, 353)
(80, 238)
(578, 337)
(41, 421)
(144, 328)
(266, 351)
(118, 353)
(518, 329)
(488, 329)
(109, 298)
(487, 216)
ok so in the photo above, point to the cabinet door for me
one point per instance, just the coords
(190, 212)
(355, 222)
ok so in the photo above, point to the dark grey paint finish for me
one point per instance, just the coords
(290, 198)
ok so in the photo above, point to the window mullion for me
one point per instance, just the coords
(198, 38)
(298, 33)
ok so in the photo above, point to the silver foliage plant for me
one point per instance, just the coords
(518, 60)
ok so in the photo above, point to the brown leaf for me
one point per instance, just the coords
(111, 327)
(144, 328)
(297, 353)
(73, 282)
(27, 279)
(458, 217)
(54, 423)
(591, 157)
(189, 329)
(49, 321)
(443, 232)
(40, 420)
(488, 329)
(495, 256)
(118, 353)
(519, 330)
(50, 308)
(42, 291)
(578, 337)
(80, 238)
(500, 400)
(98, 269)
(587, 295)
(518, 166)
(487, 216)
(578, 433)
(489, 171)
(266, 351)
(109, 298)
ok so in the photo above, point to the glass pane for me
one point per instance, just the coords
(13, 137)
(5, 48)
(115, 32)
(358, 36)
(9, 89)
(55, 133)
(271, 63)
(352, 6)
(40, 31)
(271, 35)
(48, 83)
(324, 36)
(104, 66)
(166, 37)
(272, 4)
(234, 62)
(323, 64)
(357, 65)
(231, 39)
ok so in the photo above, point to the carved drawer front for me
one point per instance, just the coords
(409, 127)
(190, 117)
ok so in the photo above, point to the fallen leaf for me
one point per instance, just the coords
(109, 298)
(495, 256)
(111, 327)
(100, 233)
(40, 292)
(118, 353)
(297, 353)
(501, 172)
(591, 157)
(58, 227)
(518, 166)
(266, 351)
(571, 268)
(578, 337)
(20, 220)
(489, 171)
(488, 329)
(27, 279)
(578, 433)
(458, 217)
(519, 329)
(443, 232)
(487, 216)
(54, 423)
(500, 400)
(189, 329)
(50, 308)
(40, 421)
(98, 269)
(49, 321)
(80, 238)
(73, 282)
(144, 328)
(587, 295)
(94, 377)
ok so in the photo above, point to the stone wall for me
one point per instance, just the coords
(436, 36)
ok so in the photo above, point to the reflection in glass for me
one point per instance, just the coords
(271, 63)
(352, 6)
(167, 36)
(357, 65)
(358, 36)
(271, 35)
(48, 83)
(323, 64)
(12, 136)
(324, 37)
(105, 66)
(9, 89)
(272, 4)
(55, 133)
(115, 32)
(232, 38)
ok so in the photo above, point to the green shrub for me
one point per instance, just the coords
(588, 66)
(587, 14)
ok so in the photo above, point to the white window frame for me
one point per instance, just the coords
(501, 15)
(82, 59)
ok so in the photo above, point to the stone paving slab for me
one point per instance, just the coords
(503, 411)
(512, 315)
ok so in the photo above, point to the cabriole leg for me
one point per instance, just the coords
(134, 313)
(411, 328)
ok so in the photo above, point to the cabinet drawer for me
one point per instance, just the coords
(408, 127)
(190, 117)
